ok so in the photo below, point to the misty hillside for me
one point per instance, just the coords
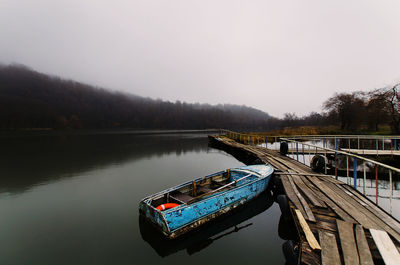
(29, 99)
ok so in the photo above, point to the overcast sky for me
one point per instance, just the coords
(278, 56)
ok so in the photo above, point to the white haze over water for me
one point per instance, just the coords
(278, 56)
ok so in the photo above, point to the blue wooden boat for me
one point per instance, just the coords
(185, 207)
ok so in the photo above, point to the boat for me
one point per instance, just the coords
(235, 221)
(180, 209)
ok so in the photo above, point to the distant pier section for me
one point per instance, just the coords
(335, 223)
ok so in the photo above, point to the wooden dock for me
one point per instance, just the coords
(335, 223)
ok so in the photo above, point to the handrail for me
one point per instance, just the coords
(347, 154)
(329, 136)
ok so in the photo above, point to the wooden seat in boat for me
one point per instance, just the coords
(204, 190)
(218, 183)
(182, 196)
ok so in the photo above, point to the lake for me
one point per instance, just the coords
(73, 199)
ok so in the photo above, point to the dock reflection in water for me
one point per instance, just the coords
(202, 238)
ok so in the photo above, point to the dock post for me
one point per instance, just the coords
(391, 189)
(376, 183)
(336, 159)
(266, 142)
(336, 165)
(395, 144)
(365, 176)
(362, 147)
(325, 166)
(297, 150)
(355, 172)
(391, 147)
(347, 169)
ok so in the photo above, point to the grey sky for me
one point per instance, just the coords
(278, 56)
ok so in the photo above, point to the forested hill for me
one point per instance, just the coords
(29, 99)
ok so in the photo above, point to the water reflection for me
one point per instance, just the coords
(30, 160)
(198, 240)
(83, 209)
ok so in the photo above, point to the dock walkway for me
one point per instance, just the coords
(335, 223)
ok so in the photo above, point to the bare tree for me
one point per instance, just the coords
(348, 108)
(378, 110)
(395, 108)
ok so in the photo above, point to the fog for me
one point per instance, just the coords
(277, 56)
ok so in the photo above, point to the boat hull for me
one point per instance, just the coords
(198, 214)
(182, 219)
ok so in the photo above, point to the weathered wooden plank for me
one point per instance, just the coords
(306, 207)
(365, 217)
(329, 249)
(307, 231)
(386, 248)
(326, 198)
(362, 246)
(321, 225)
(348, 243)
(325, 211)
(376, 210)
(331, 179)
(350, 206)
(291, 194)
(308, 192)
(326, 218)
(308, 256)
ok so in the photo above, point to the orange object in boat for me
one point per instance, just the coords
(166, 206)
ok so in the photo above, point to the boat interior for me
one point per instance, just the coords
(200, 188)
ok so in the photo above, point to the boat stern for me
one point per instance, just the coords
(154, 216)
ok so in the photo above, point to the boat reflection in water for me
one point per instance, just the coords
(203, 237)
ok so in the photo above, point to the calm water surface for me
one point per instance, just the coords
(73, 199)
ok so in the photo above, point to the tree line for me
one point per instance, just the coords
(29, 99)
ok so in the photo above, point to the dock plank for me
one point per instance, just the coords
(329, 249)
(348, 243)
(306, 207)
(362, 246)
(346, 205)
(326, 198)
(309, 193)
(376, 210)
(386, 248)
(291, 194)
(312, 241)
(369, 220)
